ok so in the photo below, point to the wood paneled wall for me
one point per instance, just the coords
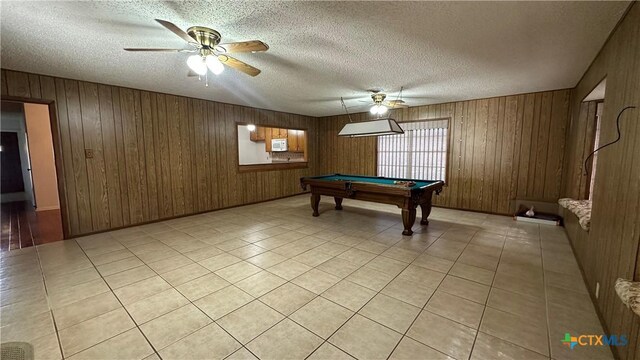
(614, 238)
(500, 149)
(156, 156)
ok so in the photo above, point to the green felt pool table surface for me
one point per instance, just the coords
(372, 179)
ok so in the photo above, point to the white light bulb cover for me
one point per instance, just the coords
(382, 109)
(214, 64)
(374, 109)
(196, 63)
(251, 127)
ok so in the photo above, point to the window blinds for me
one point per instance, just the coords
(419, 153)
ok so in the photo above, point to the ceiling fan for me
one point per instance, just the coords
(380, 106)
(209, 53)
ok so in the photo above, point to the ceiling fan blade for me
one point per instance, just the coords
(159, 49)
(192, 73)
(176, 30)
(243, 46)
(395, 104)
(238, 65)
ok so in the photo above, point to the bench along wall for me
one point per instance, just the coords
(500, 149)
(613, 240)
(155, 156)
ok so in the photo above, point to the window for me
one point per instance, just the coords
(596, 142)
(419, 153)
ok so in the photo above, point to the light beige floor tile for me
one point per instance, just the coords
(286, 340)
(433, 263)
(17, 312)
(472, 273)
(312, 257)
(267, 259)
(356, 256)
(238, 271)
(231, 244)
(348, 294)
(260, 283)
(156, 305)
(426, 277)
(210, 342)
(390, 312)
(184, 274)
(442, 334)
(365, 339)
(370, 278)
(130, 276)
(169, 328)
(242, 354)
(222, 302)
(110, 256)
(218, 262)
(203, 253)
(202, 286)
(327, 351)
(168, 264)
(66, 296)
(47, 347)
(141, 290)
(85, 309)
(387, 265)
(467, 289)
(409, 349)
(401, 254)
(128, 345)
(321, 316)
(248, 251)
(531, 287)
(456, 308)
(118, 266)
(288, 298)
(93, 331)
(519, 304)
(332, 248)
(411, 292)
(338, 267)
(488, 347)
(36, 326)
(316, 281)
(289, 269)
(62, 281)
(516, 329)
(249, 321)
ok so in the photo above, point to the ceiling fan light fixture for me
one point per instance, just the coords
(197, 64)
(214, 64)
(379, 109)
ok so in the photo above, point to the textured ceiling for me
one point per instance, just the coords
(319, 51)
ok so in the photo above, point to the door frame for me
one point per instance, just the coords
(57, 154)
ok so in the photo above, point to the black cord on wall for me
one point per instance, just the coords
(586, 161)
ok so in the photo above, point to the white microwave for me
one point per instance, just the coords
(279, 145)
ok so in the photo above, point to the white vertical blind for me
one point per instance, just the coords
(419, 153)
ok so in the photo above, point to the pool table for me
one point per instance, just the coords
(375, 189)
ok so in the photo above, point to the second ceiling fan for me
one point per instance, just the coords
(209, 53)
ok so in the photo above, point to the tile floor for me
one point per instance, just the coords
(269, 281)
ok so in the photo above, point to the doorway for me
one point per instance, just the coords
(29, 195)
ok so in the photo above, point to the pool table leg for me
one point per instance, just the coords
(338, 203)
(315, 202)
(408, 218)
(426, 210)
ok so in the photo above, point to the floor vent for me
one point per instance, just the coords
(16, 351)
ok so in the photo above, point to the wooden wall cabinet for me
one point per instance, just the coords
(258, 134)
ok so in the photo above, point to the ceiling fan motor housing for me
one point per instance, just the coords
(378, 98)
(205, 36)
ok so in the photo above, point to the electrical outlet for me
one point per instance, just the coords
(597, 289)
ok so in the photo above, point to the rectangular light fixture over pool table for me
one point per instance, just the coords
(376, 127)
